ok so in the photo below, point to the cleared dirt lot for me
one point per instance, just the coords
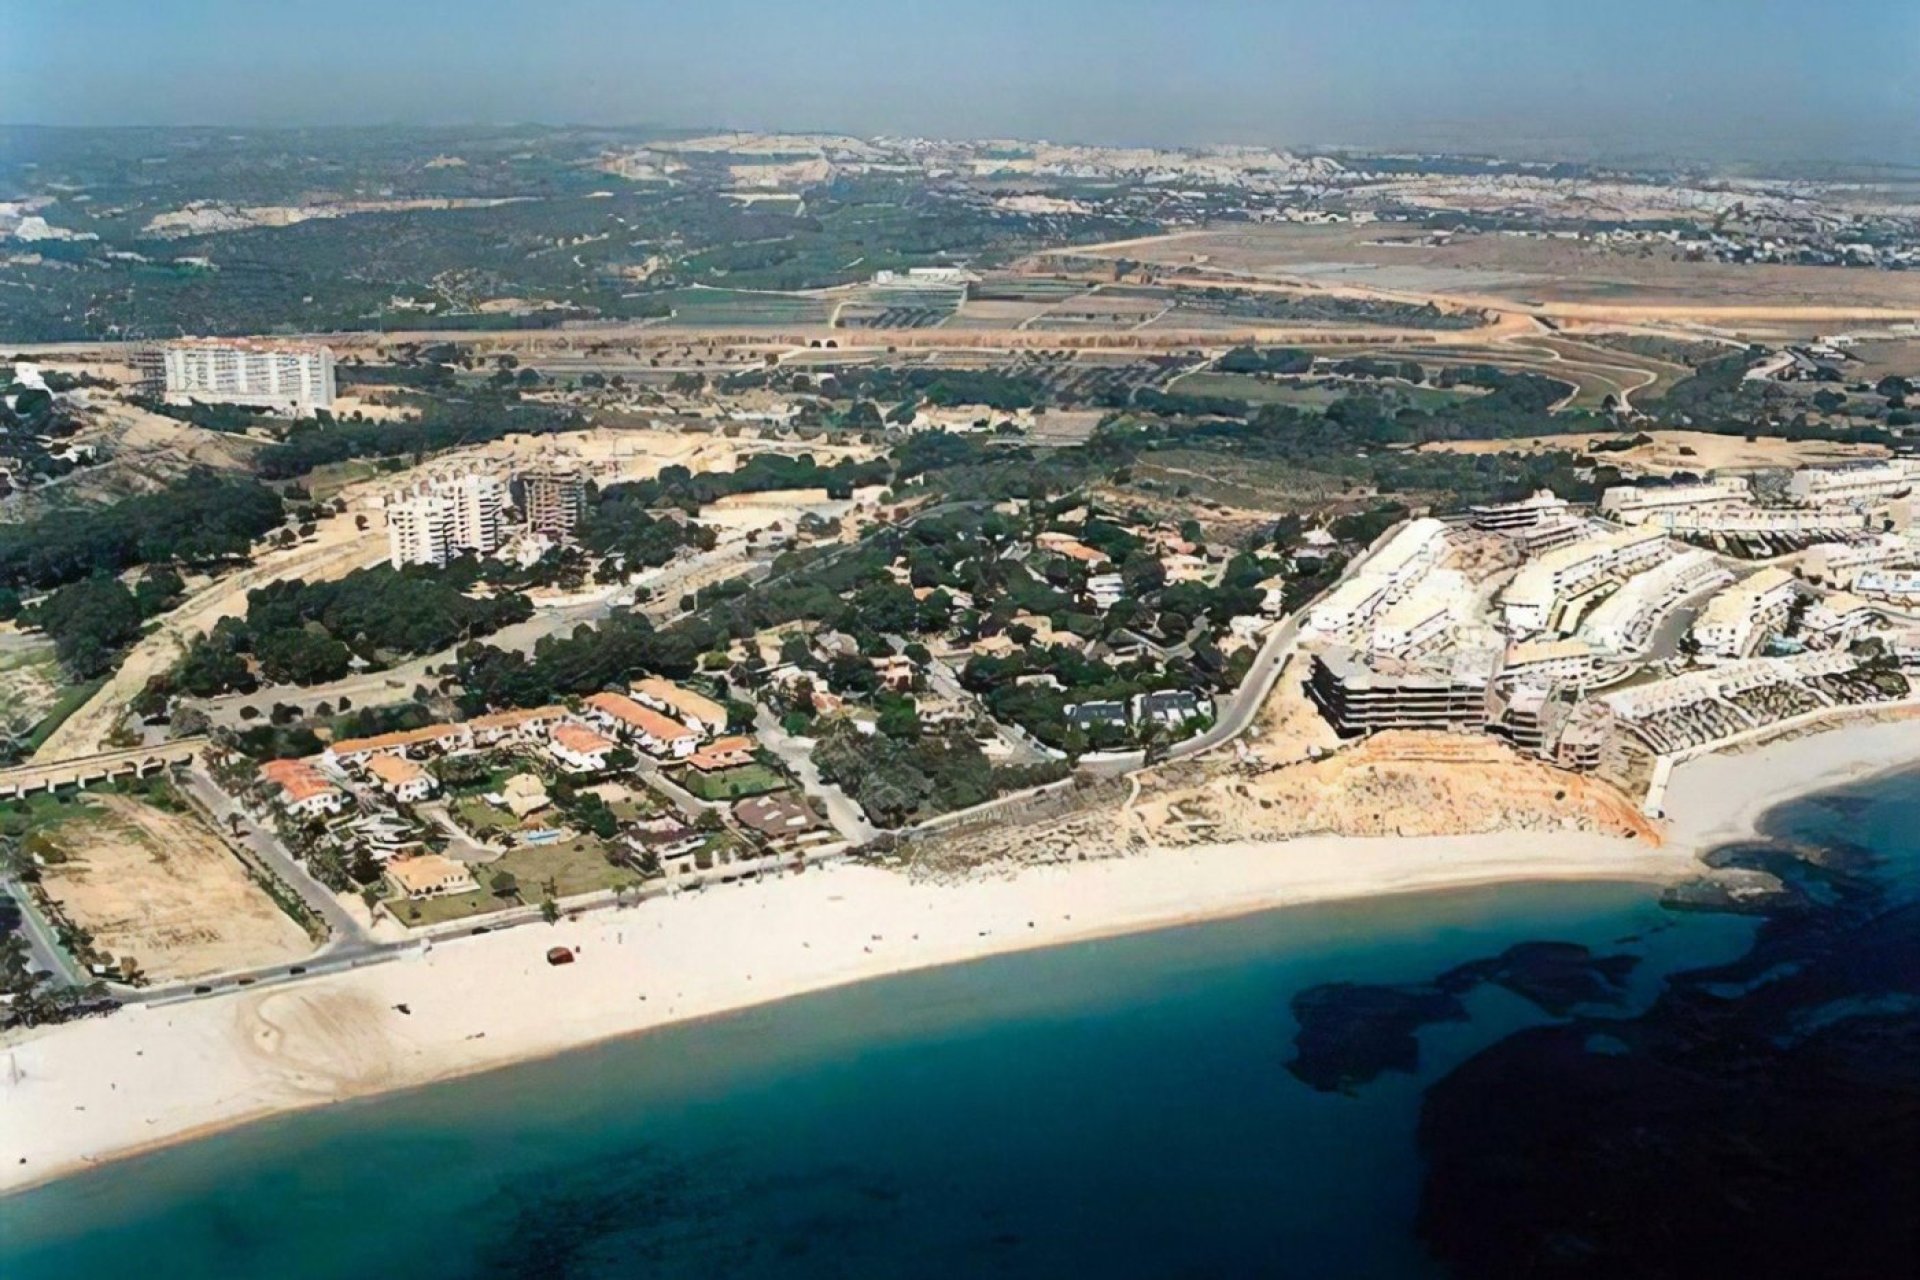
(1665, 454)
(163, 888)
(1563, 277)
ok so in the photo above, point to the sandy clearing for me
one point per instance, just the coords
(1663, 456)
(164, 888)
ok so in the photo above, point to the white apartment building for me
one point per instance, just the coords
(1106, 590)
(1676, 693)
(1835, 619)
(1384, 578)
(287, 376)
(1736, 620)
(436, 520)
(1636, 504)
(1532, 599)
(1851, 482)
(1744, 518)
(1547, 662)
(1425, 614)
(1542, 507)
(1840, 564)
(1625, 620)
(1896, 587)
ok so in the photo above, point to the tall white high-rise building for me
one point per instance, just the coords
(295, 377)
(436, 520)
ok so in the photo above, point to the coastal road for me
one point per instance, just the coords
(846, 816)
(347, 932)
(1235, 713)
(368, 951)
(43, 951)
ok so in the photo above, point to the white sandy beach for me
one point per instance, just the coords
(100, 1089)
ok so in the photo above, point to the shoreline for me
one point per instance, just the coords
(67, 1095)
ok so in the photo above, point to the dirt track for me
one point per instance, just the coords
(336, 549)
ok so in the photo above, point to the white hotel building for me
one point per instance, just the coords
(1737, 619)
(1853, 482)
(436, 520)
(1625, 620)
(1385, 578)
(1637, 504)
(294, 377)
(1434, 606)
(1839, 564)
(1535, 596)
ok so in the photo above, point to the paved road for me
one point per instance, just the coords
(265, 844)
(846, 816)
(1234, 713)
(43, 952)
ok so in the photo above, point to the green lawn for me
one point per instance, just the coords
(459, 906)
(732, 784)
(481, 818)
(575, 866)
(744, 307)
(41, 811)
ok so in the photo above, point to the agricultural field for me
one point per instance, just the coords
(1471, 268)
(718, 308)
(152, 883)
(861, 316)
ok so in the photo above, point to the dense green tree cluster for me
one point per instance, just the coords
(1265, 360)
(444, 423)
(90, 621)
(300, 632)
(93, 619)
(201, 517)
(621, 524)
(900, 775)
(761, 473)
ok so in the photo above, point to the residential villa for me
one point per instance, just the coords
(722, 753)
(665, 838)
(579, 749)
(401, 778)
(482, 731)
(701, 714)
(501, 726)
(300, 790)
(523, 794)
(657, 734)
(782, 822)
(429, 875)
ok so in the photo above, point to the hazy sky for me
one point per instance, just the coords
(1731, 78)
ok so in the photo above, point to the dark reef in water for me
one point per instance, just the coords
(1761, 1119)
(1351, 1032)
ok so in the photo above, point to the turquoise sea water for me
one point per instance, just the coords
(1120, 1108)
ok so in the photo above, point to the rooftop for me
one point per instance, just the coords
(643, 719)
(581, 741)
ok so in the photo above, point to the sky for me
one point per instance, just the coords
(1689, 79)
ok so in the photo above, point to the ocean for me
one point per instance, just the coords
(1259, 1096)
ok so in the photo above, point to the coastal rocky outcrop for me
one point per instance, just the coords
(1759, 1119)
